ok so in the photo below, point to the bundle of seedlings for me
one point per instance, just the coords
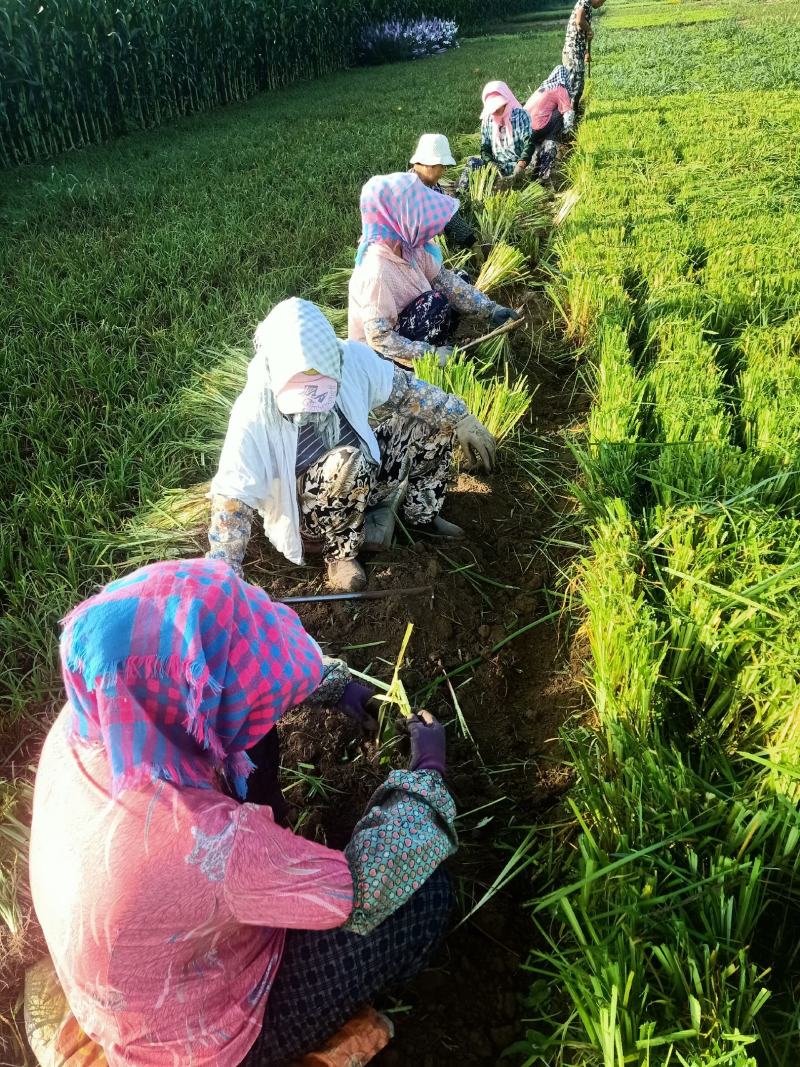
(499, 403)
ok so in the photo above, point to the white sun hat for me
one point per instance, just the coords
(433, 148)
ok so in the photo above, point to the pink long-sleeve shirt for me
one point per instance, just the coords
(166, 910)
(383, 284)
(540, 106)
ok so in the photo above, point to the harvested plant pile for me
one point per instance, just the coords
(671, 928)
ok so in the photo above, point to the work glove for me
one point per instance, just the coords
(476, 442)
(568, 121)
(501, 315)
(428, 745)
(444, 352)
(354, 702)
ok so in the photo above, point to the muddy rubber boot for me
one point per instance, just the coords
(380, 520)
(440, 527)
(379, 524)
(346, 576)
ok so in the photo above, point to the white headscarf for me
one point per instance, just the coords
(293, 338)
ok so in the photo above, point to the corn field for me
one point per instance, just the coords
(79, 72)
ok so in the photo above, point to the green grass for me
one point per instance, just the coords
(672, 13)
(671, 900)
(497, 402)
(128, 267)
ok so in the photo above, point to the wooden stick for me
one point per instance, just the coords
(507, 327)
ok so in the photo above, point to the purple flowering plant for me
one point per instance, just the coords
(396, 39)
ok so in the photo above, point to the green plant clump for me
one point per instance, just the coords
(669, 902)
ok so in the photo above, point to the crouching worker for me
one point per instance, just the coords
(431, 156)
(507, 141)
(300, 448)
(185, 924)
(552, 116)
(401, 298)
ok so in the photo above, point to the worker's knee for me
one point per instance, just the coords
(344, 469)
(432, 905)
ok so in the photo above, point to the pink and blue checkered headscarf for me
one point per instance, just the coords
(178, 668)
(399, 207)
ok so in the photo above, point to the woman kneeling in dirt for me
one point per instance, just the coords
(507, 137)
(402, 299)
(300, 448)
(186, 924)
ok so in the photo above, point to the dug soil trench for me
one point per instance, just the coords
(463, 1009)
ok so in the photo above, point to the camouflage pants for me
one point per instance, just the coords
(575, 62)
(335, 492)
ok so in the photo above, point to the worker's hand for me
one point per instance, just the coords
(444, 352)
(501, 315)
(568, 121)
(521, 165)
(354, 702)
(428, 745)
(476, 443)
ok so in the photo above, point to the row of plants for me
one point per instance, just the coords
(77, 73)
(669, 906)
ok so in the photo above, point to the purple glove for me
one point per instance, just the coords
(354, 701)
(427, 743)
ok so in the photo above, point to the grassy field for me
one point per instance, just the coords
(130, 265)
(671, 920)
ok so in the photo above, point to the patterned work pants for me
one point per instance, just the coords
(335, 491)
(547, 145)
(327, 976)
(575, 64)
(429, 318)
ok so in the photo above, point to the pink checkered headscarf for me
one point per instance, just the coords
(498, 89)
(399, 207)
(178, 668)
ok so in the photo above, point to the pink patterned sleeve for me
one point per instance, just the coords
(276, 878)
